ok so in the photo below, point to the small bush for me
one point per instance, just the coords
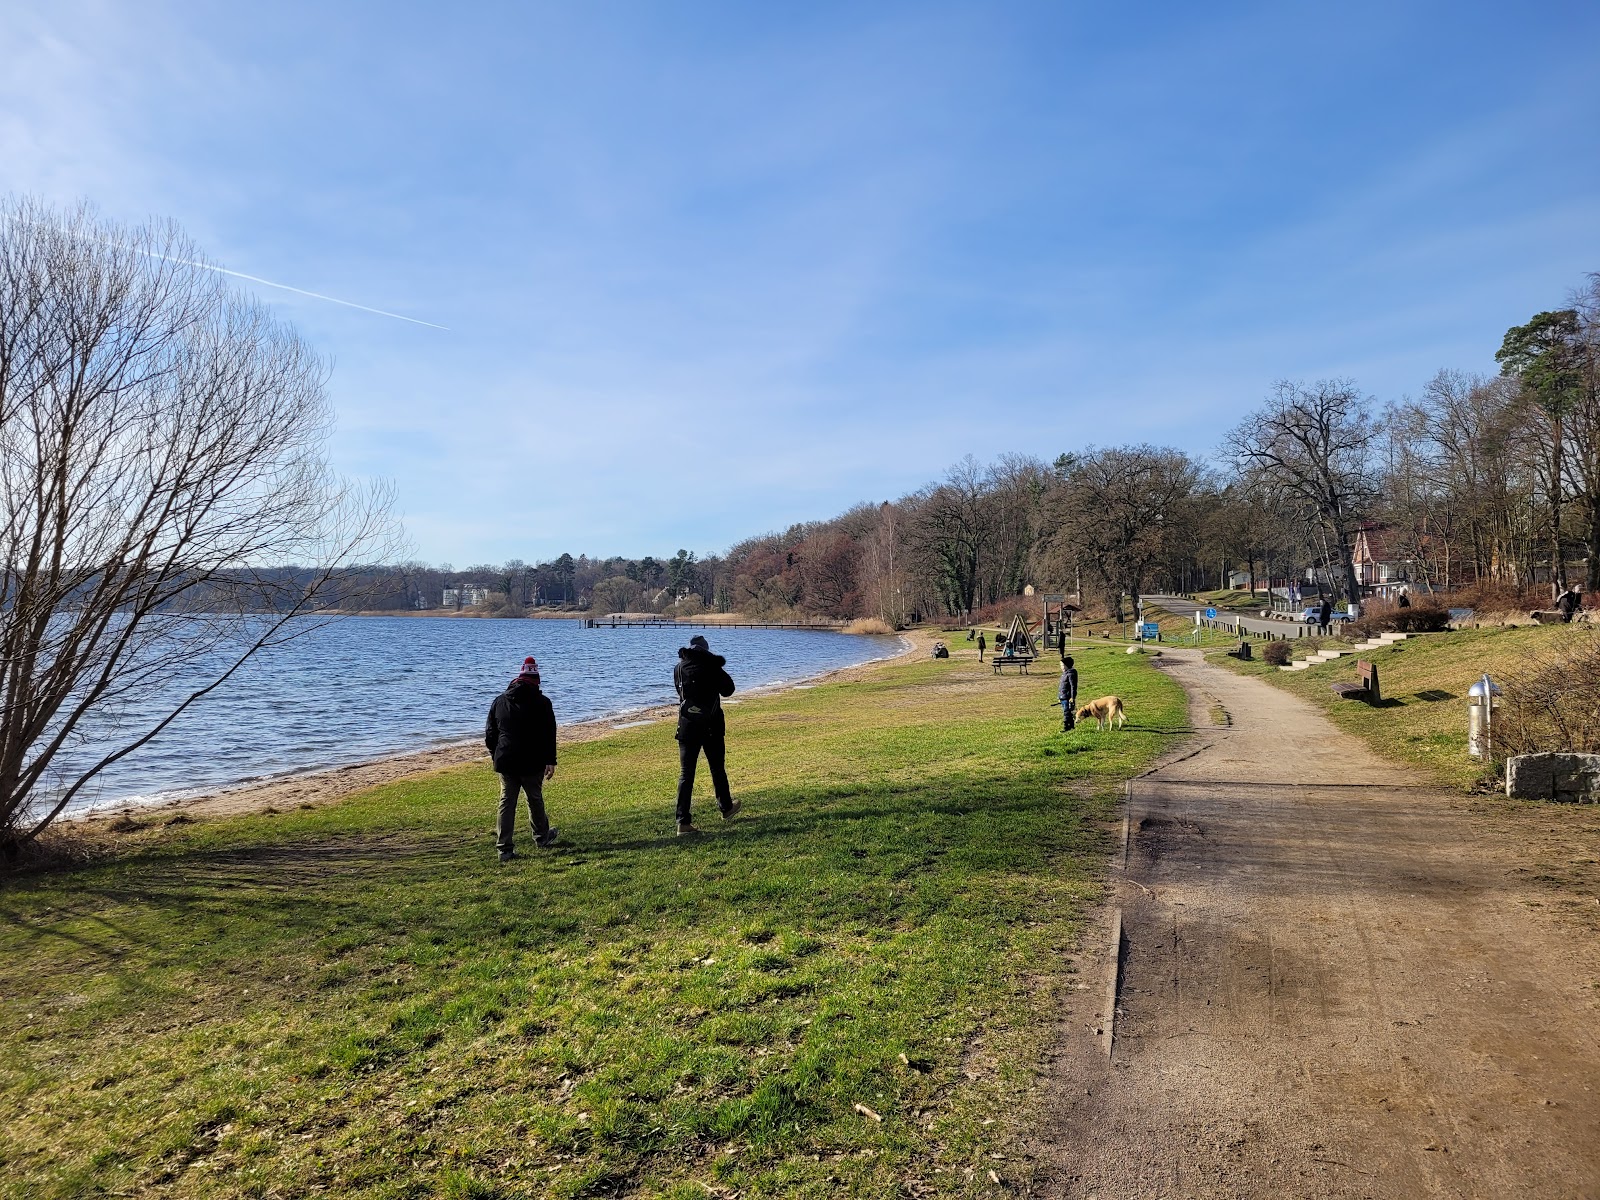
(1488, 596)
(1425, 615)
(1553, 703)
(868, 625)
(1276, 653)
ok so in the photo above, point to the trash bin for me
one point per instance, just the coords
(1480, 716)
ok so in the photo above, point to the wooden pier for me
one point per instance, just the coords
(636, 623)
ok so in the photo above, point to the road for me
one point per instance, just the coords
(1181, 607)
(1337, 981)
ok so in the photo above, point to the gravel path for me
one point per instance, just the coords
(1333, 985)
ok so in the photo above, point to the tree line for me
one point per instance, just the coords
(1480, 479)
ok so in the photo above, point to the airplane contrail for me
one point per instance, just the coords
(185, 262)
(205, 266)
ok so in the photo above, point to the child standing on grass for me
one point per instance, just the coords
(1068, 692)
(521, 736)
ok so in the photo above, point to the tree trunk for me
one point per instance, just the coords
(1558, 568)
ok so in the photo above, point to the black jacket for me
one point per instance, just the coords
(521, 730)
(701, 683)
(1067, 691)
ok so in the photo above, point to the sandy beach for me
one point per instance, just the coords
(330, 785)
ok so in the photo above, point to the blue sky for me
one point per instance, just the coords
(711, 269)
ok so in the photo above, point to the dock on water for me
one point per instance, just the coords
(634, 621)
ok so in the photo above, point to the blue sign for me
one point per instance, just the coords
(1150, 631)
(1211, 614)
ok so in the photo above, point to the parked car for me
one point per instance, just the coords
(1313, 615)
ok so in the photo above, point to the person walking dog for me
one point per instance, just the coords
(701, 682)
(1068, 693)
(521, 736)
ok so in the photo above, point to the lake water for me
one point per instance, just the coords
(360, 688)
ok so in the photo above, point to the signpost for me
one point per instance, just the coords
(1150, 631)
(1211, 614)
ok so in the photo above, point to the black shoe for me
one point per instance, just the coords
(733, 807)
(545, 842)
(686, 830)
(507, 855)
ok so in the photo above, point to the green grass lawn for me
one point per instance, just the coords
(358, 1000)
(1424, 680)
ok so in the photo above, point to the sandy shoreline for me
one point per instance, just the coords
(309, 789)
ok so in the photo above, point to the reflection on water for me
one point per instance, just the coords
(362, 687)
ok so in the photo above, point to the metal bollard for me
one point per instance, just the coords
(1480, 717)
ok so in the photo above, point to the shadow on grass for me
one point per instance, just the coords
(805, 858)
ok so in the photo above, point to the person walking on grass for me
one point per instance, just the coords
(521, 736)
(701, 682)
(1068, 694)
(981, 644)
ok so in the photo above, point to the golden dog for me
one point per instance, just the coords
(1104, 711)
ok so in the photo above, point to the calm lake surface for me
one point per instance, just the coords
(360, 688)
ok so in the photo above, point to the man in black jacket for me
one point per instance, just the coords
(521, 736)
(701, 682)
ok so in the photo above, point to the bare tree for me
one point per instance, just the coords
(1584, 455)
(1313, 443)
(1547, 355)
(161, 462)
(951, 526)
(1122, 507)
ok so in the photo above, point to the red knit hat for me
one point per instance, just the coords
(530, 666)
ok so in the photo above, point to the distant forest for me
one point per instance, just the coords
(1480, 480)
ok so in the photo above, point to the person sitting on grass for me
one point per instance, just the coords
(701, 682)
(521, 736)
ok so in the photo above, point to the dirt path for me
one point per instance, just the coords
(1330, 987)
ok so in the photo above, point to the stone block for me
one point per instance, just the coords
(1574, 778)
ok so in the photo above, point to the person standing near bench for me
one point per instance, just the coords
(521, 736)
(701, 681)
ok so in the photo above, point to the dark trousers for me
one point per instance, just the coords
(510, 785)
(691, 741)
(1069, 716)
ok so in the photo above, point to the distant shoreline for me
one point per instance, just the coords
(328, 785)
(538, 615)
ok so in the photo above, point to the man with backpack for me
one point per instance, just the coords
(701, 682)
(521, 736)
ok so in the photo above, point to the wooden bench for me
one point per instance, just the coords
(1367, 689)
(1012, 660)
